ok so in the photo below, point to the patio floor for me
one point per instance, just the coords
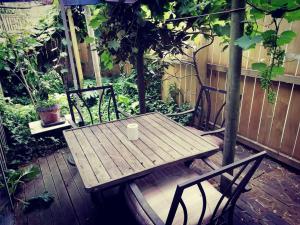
(274, 198)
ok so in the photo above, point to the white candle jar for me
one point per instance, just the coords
(132, 131)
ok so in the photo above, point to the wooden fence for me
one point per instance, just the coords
(263, 126)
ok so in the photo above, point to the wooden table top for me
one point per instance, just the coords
(105, 157)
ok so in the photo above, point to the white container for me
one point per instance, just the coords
(132, 131)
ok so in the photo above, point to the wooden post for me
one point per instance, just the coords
(75, 47)
(141, 79)
(69, 45)
(233, 82)
(94, 53)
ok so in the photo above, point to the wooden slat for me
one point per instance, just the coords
(104, 157)
(75, 197)
(81, 161)
(193, 138)
(34, 217)
(141, 156)
(62, 193)
(47, 217)
(167, 138)
(149, 144)
(154, 142)
(279, 116)
(256, 112)
(95, 163)
(245, 110)
(173, 134)
(151, 154)
(113, 152)
(252, 73)
(266, 119)
(55, 207)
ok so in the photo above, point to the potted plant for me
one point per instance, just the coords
(49, 112)
(47, 108)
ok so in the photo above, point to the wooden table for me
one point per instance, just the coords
(105, 157)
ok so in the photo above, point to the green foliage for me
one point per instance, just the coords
(22, 147)
(127, 94)
(41, 201)
(272, 40)
(16, 177)
(22, 56)
(123, 29)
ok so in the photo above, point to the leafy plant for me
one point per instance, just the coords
(16, 177)
(127, 32)
(41, 201)
(272, 39)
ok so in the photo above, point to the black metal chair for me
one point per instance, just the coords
(93, 105)
(204, 121)
(177, 195)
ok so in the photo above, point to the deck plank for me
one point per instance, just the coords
(62, 193)
(253, 208)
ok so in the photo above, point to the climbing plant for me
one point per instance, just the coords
(271, 39)
(127, 32)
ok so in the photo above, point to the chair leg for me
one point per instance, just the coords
(188, 163)
(231, 216)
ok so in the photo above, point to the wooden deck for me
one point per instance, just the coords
(274, 199)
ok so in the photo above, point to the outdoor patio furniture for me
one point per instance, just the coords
(206, 121)
(82, 101)
(105, 157)
(177, 195)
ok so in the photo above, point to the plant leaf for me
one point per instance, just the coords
(247, 42)
(286, 37)
(259, 66)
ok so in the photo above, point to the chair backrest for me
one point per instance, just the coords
(209, 108)
(93, 105)
(244, 169)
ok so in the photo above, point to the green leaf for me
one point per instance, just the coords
(114, 44)
(257, 14)
(247, 42)
(89, 40)
(107, 60)
(64, 42)
(292, 16)
(277, 70)
(63, 54)
(259, 66)
(286, 37)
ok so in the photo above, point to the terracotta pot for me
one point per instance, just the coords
(50, 114)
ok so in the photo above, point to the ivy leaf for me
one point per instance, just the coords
(259, 66)
(247, 42)
(257, 14)
(64, 42)
(277, 70)
(115, 45)
(63, 54)
(292, 16)
(89, 40)
(268, 34)
(286, 37)
(107, 60)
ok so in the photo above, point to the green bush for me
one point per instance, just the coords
(22, 146)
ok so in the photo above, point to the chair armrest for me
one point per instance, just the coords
(124, 113)
(213, 131)
(134, 189)
(181, 113)
(226, 175)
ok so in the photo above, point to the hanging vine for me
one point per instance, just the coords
(272, 40)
